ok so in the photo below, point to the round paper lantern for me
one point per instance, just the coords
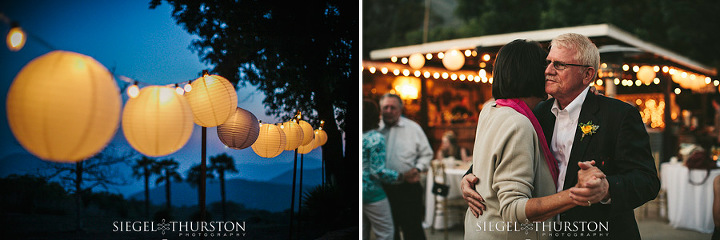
(322, 137)
(305, 149)
(646, 74)
(240, 130)
(453, 60)
(212, 99)
(157, 122)
(416, 61)
(293, 135)
(270, 142)
(63, 107)
(308, 134)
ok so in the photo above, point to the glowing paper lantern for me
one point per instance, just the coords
(417, 61)
(63, 107)
(240, 130)
(293, 135)
(212, 99)
(646, 74)
(270, 142)
(157, 122)
(321, 137)
(308, 134)
(453, 60)
(305, 149)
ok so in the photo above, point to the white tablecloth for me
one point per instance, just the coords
(689, 206)
(454, 176)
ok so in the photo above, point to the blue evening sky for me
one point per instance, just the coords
(139, 43)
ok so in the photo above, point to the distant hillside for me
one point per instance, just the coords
(19, 163)
(273, 195)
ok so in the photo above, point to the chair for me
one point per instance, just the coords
(440, 191)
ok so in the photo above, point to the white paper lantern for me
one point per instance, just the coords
(308, 134)
(240, 130)
(63, 107)
(212, 99)
(453, 60)
(322, 137)
(270, 142)
(158, 122)
(646, 74)
(293, 135)
(305, 149)
(416, 61)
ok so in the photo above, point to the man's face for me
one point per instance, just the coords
(391, 110)
(568, 82)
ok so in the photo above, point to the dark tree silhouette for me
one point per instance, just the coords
(82, 177)
(221, 164)
(167, 169)
(301, 54)
(143, 169)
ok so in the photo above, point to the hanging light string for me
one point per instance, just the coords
(17, 36)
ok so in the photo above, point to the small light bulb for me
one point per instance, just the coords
(404, 60)
(677, 91)
(133, 91)
(486, 57)
(626, 67)
(179, 90)
(428, 56)
(16, 39)
(393, 59)
(188, 87)
(372, 69)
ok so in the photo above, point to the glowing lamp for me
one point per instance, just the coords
(305, 149)
(293, 135)
(270, 142)
(63, 107)
(157, 122)
(16, 39)
(453, 60)
(212, 99)
(417, 61)
(307, 132)
(646, 74)
(240, 130)
(322, 137)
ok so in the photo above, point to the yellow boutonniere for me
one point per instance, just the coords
(587, 129)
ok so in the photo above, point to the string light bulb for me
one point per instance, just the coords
(16, 38)
(133, 91)
(179, 90)
(188, 87)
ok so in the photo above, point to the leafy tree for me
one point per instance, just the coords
(222, 163)
(301, 54)
(143, 169)
(167, 169)
(193, 175)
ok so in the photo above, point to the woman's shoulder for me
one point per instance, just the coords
(373, 137)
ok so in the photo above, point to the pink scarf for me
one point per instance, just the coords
(523, 109)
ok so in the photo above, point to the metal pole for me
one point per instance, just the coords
(202, 175)
(300, 192)
(292, 198)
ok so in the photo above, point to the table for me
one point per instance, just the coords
(454, 173)
(689, 206)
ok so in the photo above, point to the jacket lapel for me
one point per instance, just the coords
(587, 114)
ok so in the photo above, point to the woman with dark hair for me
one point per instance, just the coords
(517, 171)
(376, 207)
(449, 148)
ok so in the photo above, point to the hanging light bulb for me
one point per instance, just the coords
(16, 38)
(133, 91)
(179, 90)
(188, 87)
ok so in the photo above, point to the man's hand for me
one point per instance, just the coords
(412, 176)
(472, 197)
(592, 186)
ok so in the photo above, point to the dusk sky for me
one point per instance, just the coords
(140, 43)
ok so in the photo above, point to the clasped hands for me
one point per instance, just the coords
(592, 187)
(411, 176)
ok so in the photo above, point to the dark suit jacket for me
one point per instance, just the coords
(621, 149)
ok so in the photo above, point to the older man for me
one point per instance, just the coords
(408, 151)
(581, 126)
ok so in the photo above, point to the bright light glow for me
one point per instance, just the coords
(426, 74)
(484, 79)
(470, 77)
(482, 65)
(453, 77)
(486, 57)
(428, 56)
(133, 91)
(404, 60)
(626, 67)
(188, 87)
(716, 83)
(656, 68)
(454, 60)
(445, 75)
(416, 61)
(708, 80)
(636, 68)
(372, 69)
(436, 75)
(441, 55)
(474, 53)
(468, 53)
(393, 59)
(179, 90)
(603, 65)
(677, 91)
(396, 72)
(462, 77)
(599, 82)
(417, 73)
(638, 83)
(656, 81)
(406, 72)
(491, 80)
(384, 70)
(407, 87)
(672, 71)
(665, 69)
(16, 39)
(482, 73)
(617, 81)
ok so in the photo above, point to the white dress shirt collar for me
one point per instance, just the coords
(574, 107)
